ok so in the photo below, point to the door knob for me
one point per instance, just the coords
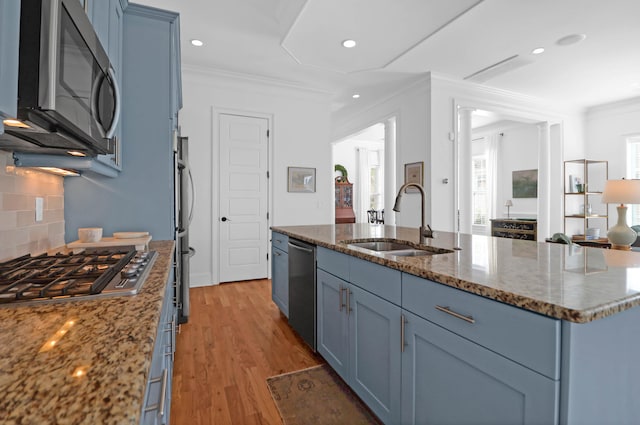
(224, 219)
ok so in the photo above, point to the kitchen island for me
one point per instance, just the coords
(82, 362)
(518, 331)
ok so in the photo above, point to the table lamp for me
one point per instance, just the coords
(621, 192)
(508, 204)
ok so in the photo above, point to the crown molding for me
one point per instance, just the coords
(241, 78)
(628, 105)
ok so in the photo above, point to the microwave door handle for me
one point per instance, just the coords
(94, 98)
(116, 112)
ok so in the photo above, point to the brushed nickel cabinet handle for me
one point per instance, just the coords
(163, 393)
(340, 297)
(403, 322)
(446, 309)
(349, 309)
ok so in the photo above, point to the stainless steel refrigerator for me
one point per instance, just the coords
(184, 202)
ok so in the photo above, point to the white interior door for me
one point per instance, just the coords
(243, 223)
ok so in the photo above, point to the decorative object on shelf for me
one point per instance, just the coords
(508, 203)
(301, 179)
(525, 183)
(343, 177)
(413, 173)
(623, 192)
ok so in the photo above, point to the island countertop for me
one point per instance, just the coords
(96, 373)
(567, 282)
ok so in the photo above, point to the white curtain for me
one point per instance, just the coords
(361, 185)
(493, 148)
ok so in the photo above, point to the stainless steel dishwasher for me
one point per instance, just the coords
(302, 290)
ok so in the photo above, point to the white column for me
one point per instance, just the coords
(465, 205)
(544, 181)
(389, 170)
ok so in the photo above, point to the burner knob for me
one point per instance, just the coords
(129, 272)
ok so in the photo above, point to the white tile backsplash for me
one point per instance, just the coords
(19, 232)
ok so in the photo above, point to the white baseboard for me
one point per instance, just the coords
(201, 279)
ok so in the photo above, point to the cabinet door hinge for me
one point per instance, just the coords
(267, 174)
(267, 256)
(268, 133)
(267, 215)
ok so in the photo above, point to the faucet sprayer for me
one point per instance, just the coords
(425, 229)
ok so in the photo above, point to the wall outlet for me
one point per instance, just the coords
(39, 208)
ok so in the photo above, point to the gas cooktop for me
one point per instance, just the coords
(86, 275)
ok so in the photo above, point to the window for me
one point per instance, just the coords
(479, 191)
(633, 171)
(376, 181)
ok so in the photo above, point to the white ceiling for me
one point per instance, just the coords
(298, 41)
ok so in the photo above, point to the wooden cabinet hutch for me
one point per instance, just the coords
(344, 202)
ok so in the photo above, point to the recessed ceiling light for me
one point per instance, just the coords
(349, 43)
(197, 43)
(537, 50)
(571, 39)
(356, 96)
(76, 153)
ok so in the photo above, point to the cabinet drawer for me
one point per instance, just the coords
(528, 338)
(333, 262)
(280, 241)
(377, 279)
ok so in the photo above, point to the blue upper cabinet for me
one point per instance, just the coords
(143, 192)
(106, 16)
(9, 38)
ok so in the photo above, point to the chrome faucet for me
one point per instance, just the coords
(425, 229)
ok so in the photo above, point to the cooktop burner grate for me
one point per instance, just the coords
(47, 277)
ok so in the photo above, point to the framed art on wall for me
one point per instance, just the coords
(301, 179)
(413, 173)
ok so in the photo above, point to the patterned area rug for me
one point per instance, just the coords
(317, 396)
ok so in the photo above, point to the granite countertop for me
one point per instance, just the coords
(567, 282)
(97, 372)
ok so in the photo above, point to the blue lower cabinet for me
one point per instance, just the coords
(375, 353)
(280, 279)
(359, 336)
(157, 400)
(332, 322)
(447, 379)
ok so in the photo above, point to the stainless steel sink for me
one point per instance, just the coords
(382, 246)
(397, 248)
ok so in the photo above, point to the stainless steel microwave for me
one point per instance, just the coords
(68, 97)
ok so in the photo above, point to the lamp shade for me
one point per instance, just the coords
(508, 203)
(621, 192)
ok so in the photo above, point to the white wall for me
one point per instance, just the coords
(519, 152)
(300, 123)
(344, 153)
(410, 105)
(607, 127)
(426, 131)
(446, 93)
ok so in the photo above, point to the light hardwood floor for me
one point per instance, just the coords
(235, 339)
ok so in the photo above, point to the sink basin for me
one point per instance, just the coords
(412, 253)
(395, 248)
(382, 246)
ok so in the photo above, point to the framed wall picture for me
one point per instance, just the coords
(413, 173)
(525, 184)
(301, 179)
